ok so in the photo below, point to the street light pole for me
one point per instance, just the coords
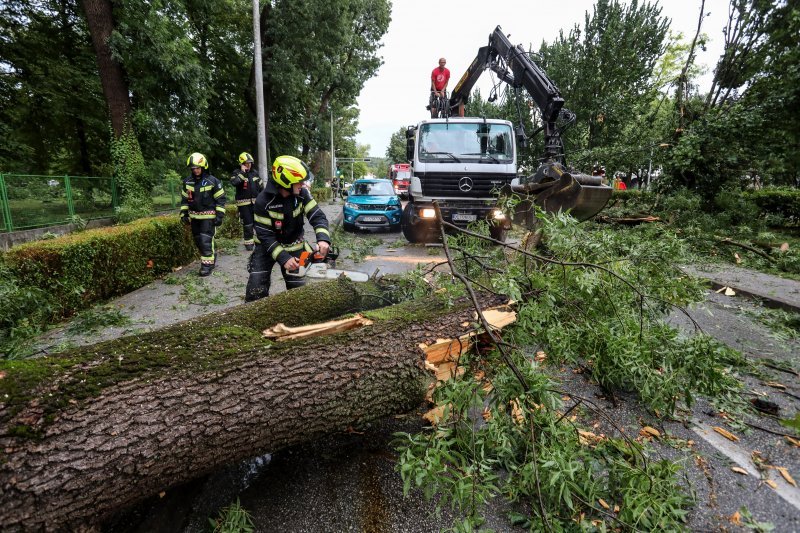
(263, 163)
(650, 162)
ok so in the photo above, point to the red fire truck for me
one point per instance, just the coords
(400, 176)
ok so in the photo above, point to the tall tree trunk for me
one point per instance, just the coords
(145, 434)
(100, 18)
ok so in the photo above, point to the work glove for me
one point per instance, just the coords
(218, 221)
(185, 219)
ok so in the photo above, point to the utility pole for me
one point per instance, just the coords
(263, 161)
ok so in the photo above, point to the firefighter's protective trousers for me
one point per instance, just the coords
(203, 203)
(203, 231)
(246, 216)
(248, 185)
(260, 269)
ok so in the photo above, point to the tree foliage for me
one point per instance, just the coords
(742, 129)
(188, 65)
(396, 151)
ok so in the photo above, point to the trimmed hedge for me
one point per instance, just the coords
(322, 194)
(82, 268)
(781, 201)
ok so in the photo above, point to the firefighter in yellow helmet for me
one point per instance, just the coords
(279, 211)
(248, 184)
(203, 207)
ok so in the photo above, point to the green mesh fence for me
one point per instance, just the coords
(35, 201)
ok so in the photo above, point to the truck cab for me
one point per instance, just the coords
(400, 176)
(462, 163)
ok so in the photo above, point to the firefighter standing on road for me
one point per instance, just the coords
(248, 185)
(202, 206)
(279, 212)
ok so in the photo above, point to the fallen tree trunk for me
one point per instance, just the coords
(70, 457)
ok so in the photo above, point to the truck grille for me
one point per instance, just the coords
(448, 184)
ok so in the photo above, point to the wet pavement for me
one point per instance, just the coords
(348, 482)
(775, 291)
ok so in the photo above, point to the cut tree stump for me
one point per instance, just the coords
(105, 426)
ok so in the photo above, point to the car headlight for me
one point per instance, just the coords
(350, 205)
(392, 207)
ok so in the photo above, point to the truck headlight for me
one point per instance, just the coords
(427, 213)
(499, 215)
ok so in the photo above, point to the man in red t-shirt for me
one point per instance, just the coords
(439, 78)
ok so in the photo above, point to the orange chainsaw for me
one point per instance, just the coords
(315, 265)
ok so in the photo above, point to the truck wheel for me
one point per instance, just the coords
(413, 233)
(498, 233)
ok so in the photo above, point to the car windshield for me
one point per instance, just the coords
(449, 142)
(373, 188)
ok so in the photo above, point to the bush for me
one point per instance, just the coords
(322, 194)
(80, 269)
(23, 310)
(737, 209)
(780, 204)
(231, 227)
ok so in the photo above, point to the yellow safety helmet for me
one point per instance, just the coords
(288, 170)
(244, 157)
(197, 160)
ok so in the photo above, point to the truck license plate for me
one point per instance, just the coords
(464, 217)
(372, 219)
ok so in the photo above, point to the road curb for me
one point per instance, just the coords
(774, 302)
(773, 291)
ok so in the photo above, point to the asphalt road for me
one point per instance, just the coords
(348, 482)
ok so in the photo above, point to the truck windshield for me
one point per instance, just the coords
(487, 143)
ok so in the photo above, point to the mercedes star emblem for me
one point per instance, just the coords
(465, 184)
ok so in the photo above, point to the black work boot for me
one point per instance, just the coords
(205, 269)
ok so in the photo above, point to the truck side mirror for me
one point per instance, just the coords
(410, 149)
(411, 133)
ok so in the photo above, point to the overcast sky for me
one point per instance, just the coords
(421, 31)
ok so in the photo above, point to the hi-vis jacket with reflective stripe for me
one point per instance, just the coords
(279, 221)
(202, 196)
(248, 185)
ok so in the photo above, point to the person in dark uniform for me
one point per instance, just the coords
(248, 184)
(279, 235)
(202, 207)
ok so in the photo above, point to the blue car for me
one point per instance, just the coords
(372, 203)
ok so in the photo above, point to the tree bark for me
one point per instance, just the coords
(100, 19)
(183, 419)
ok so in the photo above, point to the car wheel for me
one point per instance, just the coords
(348, 227)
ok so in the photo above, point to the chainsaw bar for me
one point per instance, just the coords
(321, 271)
